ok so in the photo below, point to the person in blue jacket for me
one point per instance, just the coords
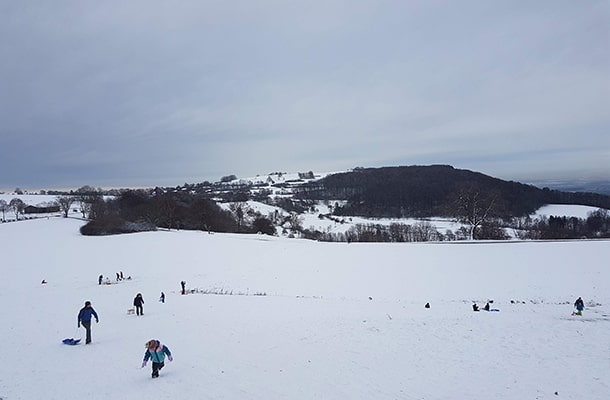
(157, 352)
(580, 305)
(84, 317)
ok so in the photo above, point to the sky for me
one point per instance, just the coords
(159, 93)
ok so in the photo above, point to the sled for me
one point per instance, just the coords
(71, 341)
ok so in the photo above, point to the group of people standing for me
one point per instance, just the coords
(106, 281)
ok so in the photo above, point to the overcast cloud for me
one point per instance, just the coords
(147, 93)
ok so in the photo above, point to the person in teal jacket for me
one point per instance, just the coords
(157, 352)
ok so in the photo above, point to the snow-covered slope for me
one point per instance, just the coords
(305, 320)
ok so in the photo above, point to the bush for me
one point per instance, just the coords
(263, 225)
(114, 225)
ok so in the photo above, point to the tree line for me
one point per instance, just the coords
(142, 210)
(595, 226)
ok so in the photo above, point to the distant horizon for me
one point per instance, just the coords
(574, 179)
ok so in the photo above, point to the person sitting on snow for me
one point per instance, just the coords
(157, 352)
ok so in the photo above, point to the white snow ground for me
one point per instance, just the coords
(337, 321)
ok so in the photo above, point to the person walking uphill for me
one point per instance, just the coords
(157, 352)
(84, 317)
(580, 305)
(138, 302)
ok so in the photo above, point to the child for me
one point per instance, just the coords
(157, 352)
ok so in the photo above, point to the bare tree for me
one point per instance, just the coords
(296, 222)
(17, 205)
(65, 202)
(88, 196)
(474, 208)
(4, 208)
(238, 209)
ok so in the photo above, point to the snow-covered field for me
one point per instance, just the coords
(303, 320)
(563, 210)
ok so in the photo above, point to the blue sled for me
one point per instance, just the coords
(71, 341)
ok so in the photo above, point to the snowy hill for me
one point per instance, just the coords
(315, 218)
(301, 319)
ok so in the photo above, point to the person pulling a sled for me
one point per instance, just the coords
(157, 352)
(580, 305)
(84, 317)
(138, 302)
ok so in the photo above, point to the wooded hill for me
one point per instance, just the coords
(483, 204)
(427, 191)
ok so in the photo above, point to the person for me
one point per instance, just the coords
(138, 302)
(157, 352)
(475, 307)
(99, 279)
(84, 317)
(162, 298)
(580, 305)
(118, 277)
(121, 275)
(486, 308)
(183, 284)
(427, 305)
